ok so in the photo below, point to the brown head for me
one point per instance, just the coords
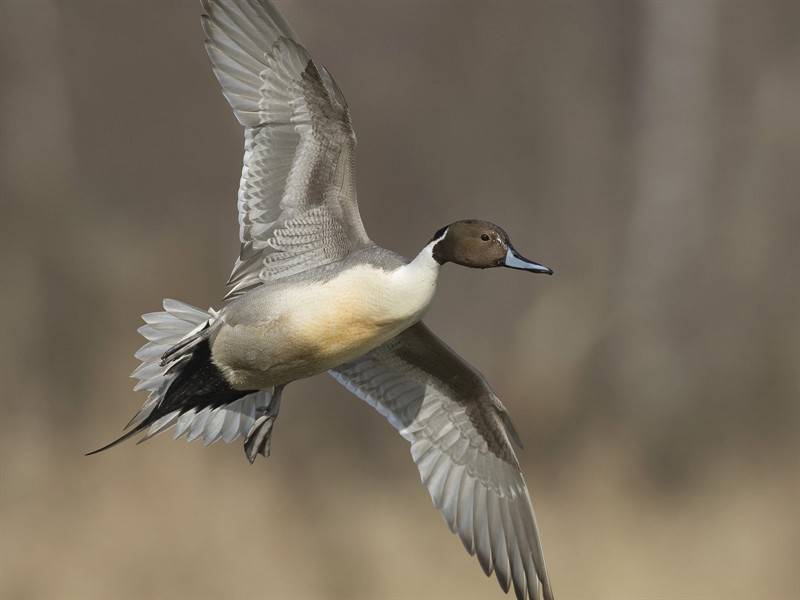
(480, 245)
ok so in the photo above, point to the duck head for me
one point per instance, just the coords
(480, 245)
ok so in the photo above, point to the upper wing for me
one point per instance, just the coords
(297, 197)
(459, 433)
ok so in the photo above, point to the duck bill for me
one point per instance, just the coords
(514, 260)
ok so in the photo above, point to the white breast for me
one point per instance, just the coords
(310, 327)
(368, 300)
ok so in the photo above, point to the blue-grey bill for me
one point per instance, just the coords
(515, 261)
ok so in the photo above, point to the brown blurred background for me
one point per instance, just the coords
(649, 151)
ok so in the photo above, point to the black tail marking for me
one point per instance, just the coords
(200, 384)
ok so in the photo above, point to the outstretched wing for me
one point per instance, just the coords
(459, 433)
(297, 197)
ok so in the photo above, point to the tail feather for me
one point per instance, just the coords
(119, 440)
(174, 338)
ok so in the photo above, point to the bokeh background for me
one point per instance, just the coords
(649, 151)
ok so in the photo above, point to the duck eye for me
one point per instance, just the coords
(485, 237)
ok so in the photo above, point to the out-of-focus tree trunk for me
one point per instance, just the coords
(37, 189)
(671, 209)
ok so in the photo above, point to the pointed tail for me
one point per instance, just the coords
(177, 338)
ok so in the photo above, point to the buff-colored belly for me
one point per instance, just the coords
(309, 329)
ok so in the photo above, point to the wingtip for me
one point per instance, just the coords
(547, 590)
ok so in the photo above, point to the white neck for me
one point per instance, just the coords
(423, 265)
(416, 281)
(426, 254)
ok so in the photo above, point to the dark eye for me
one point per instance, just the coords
(485, 237)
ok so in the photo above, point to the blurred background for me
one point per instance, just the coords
(649, 151)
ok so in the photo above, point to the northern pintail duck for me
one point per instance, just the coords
(310, 292)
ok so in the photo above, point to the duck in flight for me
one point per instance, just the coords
(310, 293)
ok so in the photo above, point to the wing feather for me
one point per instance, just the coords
(297, 201)
(460, 436)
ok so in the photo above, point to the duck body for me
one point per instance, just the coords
(310, 292)
(314, 321)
